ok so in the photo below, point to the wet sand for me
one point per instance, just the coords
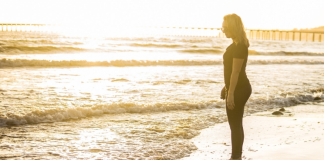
(296, 135)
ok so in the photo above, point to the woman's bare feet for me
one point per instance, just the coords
(236, 158)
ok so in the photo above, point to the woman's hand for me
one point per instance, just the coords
(230, 101)
(223, 92)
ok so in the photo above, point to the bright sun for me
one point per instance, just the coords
(276, 14)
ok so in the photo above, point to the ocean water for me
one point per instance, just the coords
(98, 97)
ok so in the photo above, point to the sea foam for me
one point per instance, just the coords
(62, 114)
(128, 63)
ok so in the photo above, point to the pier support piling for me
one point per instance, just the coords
(313, 37)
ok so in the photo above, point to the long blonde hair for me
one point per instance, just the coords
(236, 27)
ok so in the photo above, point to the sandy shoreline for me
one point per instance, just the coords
(297, 135)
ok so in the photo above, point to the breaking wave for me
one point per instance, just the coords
(135, 63)
(38, 49)
(251, 52)
(203, 51)
(63, 114)
(284, 53)
(134, 47)
(155, 45)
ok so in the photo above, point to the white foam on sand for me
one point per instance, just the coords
(296, 137)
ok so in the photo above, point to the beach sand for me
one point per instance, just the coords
(296, 135)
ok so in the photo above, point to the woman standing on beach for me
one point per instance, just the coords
(237, 89)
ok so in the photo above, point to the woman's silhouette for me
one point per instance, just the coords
(237, 89)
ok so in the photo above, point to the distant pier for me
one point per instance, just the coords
(282, 35)
(18, 27)
(285, 35)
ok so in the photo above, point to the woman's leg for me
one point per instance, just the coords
(235, 120)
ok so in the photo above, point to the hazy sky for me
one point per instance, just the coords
(263, 14)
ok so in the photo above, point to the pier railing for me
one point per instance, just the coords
(283, 35)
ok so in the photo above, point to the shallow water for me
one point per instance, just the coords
(110, 136)
(162, 92)
(130, 111)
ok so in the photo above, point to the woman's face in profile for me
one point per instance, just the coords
(225, 30)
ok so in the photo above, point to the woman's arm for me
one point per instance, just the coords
(236, 69)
